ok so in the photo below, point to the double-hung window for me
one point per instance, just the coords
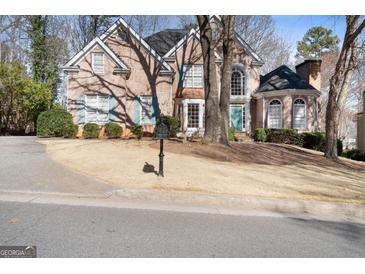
(146, 110)
(97, 109)
(193, 76)
(275, 114)
(299, 114)
(98, 62)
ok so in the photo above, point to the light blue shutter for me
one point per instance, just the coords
(155, 110)
(137, 110)
(81, 109)
(112, 109)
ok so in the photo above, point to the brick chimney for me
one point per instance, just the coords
(310, 71)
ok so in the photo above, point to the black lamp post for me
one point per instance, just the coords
(162, 132)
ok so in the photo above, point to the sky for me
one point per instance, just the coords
(293, 27)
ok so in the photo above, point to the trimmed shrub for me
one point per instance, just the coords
(231, 137)
(314, 140)
(137, 131)
(91, 130)
(284, 136)
(52, 123)
(354, 154)
(113, 130)
(172, 122)
(259, 135)
(70, 131)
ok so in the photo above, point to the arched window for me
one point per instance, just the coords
(299, 114)
(237, 83)
(274, 114)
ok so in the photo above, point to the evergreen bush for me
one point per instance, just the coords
(113, 130)
(91, 131)
(259, 135)
(137, 131)
(52, 123)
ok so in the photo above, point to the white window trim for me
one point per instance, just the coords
(141, 108)
(92, 62)
(185, 66)
(245, 84)
(281, 113)
(201, 103)
(305, 114)
(243, 106)
(97, 107)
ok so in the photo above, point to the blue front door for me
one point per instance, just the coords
(236, 117)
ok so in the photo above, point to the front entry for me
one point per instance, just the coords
(237, 119)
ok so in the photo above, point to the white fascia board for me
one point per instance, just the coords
(121, 21)
(274, 93)
(96, 41)
(249, 50)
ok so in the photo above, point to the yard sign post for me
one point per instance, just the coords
(162, 132)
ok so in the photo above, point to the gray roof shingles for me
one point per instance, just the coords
(282, 78)
(165, 40)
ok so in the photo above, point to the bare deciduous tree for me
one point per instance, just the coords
(212, 115)
(228, 35)
(261, 34)
(339, 83)
(146, 25)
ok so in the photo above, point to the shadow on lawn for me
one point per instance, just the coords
(148, 168)
(266, 154)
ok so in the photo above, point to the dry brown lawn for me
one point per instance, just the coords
(260, 170)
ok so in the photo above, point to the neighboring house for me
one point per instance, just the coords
(360, 142)
(123, 78)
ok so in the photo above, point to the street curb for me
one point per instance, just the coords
(317, 209)
(197, 203)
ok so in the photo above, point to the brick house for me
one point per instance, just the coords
(124, 78)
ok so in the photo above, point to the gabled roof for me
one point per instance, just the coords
(74, 60)
(132, 32)
(166, 39)
(195, 32)
(282, 78)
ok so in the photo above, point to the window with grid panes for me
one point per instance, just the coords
(237, 83)
(97, 109)
(98, 62)
(193, 76)
(193, 115)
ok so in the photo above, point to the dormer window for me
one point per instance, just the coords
(237, 83)
(98, 62)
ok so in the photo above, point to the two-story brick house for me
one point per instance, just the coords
(124, 78)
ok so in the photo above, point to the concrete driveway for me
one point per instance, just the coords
(24, 166)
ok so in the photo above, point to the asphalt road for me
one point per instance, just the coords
(24, 166)
(81, 231)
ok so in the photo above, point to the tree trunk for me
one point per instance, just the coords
(228, 22)
(339, 83)
(212, 114)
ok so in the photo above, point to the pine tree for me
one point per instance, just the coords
(317, 41)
